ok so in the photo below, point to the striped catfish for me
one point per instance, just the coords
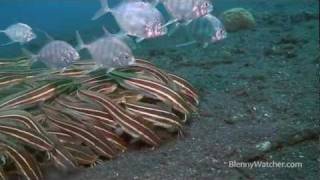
(110, 135)
(105, 88)
(22, 117)
(158, 90)
(24, 161)
(27, 136)
(2, 174)
(150, 68)
(128, 123)
(82, 154)
(186, 90)
(83, 110)
(80, 131)
(37, 95)
(155, 114)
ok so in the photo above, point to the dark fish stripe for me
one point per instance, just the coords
(24, 162)
(183, 84)
(62, 158)
(111, 137)
(105, 88)
(76, 73)
(157, 116)
(38, 94)
(186, 91)
(159, 74)
(64, 137)
(5, 81)
(90, 112)
(128, 123)
(22, 117)
(162, 92)
(27, 136)
(2, 174)
(83, 155)
(84, 134)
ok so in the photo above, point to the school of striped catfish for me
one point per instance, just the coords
(77, 113)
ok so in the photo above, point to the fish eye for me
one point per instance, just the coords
(126, 56)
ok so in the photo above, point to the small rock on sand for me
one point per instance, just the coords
(238, 19)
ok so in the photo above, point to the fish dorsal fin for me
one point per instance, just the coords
(122, 35)
(103, 10)
(80, 42)
(50, 38)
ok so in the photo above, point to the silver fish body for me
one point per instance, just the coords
(207, 29)
(58, 55)
(109, 52)
(140, 19)
(20, 33)
(187, 10)
(136, 18)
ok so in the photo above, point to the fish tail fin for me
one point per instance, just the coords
(29, 55)
(103, 10)
(185, 44)
(80, 43)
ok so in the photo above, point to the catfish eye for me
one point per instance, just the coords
(206, 4)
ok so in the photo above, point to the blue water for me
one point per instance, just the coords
(61, 18)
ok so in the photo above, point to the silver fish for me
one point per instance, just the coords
(19, 33)
(56, 55)
(136, 18)
(184, 11)
(205, 30)
(109, 51)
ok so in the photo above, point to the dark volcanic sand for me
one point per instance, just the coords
(258, 85)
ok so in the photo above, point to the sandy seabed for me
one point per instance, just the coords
(257, 87)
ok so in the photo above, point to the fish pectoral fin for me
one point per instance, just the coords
(173, 29)
(186, 44)
(170, 22)
(205, 45)
(50, 38)
(187, 22)
(8, 43)
(140, 39)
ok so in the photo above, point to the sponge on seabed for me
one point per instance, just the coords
(238, 19)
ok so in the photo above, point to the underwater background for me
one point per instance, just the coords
(259, 85)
